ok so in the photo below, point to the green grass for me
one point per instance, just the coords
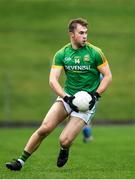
(110, 155)
(32, 31)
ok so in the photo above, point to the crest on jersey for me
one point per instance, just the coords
(86, 57)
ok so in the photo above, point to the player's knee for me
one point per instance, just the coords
(44, 130)
(65, 141)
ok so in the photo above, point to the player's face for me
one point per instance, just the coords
(79, 36)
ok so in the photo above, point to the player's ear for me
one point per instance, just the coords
(71, 34)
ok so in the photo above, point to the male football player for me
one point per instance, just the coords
(82, 63)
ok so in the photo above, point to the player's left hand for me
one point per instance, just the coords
(95, 96)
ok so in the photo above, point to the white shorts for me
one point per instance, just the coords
(85, 116)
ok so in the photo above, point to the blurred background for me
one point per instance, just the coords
(31, 31)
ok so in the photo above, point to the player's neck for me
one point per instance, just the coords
(75, 46)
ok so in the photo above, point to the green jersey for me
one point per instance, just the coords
(80, 66)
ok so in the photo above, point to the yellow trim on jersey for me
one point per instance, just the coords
(56, 66)
(104, 64)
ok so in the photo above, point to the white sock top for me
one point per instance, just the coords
(21, 161)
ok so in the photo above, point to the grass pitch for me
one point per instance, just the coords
(109, 155)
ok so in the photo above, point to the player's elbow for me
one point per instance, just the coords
(52, 82)
(109, 77)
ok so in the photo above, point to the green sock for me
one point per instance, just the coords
(25, 155)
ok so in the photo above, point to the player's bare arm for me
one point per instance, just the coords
(107, 78)
(54, 81)
(55, 85)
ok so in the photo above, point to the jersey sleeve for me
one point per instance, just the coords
(100, 59)
(57, 60)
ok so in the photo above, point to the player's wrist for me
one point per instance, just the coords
(97, 95)
(66, 98)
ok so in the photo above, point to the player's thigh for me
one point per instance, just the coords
(55, 115)
(72, 129)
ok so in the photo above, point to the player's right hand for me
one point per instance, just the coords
(68, 100)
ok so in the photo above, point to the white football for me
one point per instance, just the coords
(81, 100)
